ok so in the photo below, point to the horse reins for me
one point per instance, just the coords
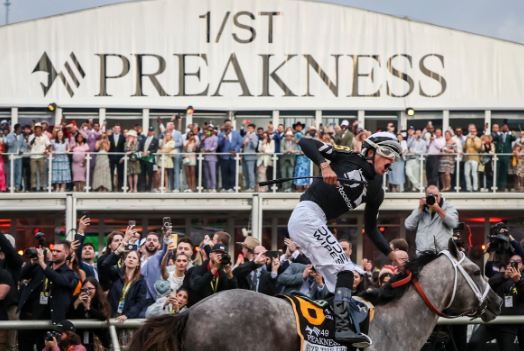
(457, 267)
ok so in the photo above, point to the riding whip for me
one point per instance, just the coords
(281, 180)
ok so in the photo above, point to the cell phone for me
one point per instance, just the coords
(273, 254)
(132, 247)
(84, 214)
(515, 265)
(132, 223)
(174, 239)
(78, 237)
(83, 291)
(166, 221)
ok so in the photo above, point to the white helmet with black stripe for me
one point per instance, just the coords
(385, 144)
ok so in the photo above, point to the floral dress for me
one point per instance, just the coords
(133, 167)
(520, 160)
(447, 163)
(302, 166)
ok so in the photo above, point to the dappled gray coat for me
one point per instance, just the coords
(429, 229)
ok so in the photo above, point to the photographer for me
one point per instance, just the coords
(434, 219)
(212, 277)
(48, 294)
(260, 274)
(509, 285)
(69, 340)
(12, 262)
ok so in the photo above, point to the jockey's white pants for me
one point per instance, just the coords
(308, 229)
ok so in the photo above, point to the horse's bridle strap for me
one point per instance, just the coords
(425, 298)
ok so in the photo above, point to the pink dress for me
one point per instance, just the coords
(79, 162)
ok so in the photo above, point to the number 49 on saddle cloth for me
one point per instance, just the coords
(316, 323)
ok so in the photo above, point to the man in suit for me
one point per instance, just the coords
(148, 146)
(255, 275)
(229, 141)
(250, 146)
(117, 143)
(344, 137)
(503, 141)
(303, 278)
(289, 148)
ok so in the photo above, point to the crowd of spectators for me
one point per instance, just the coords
(176, 150)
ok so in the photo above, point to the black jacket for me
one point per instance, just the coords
(266, 285)
(153, 146)
(62, 283)
(94, 312)
(105, 274)
(508, 287)
(201, 279)
(12, 263)
(119, 148)
(135, 299)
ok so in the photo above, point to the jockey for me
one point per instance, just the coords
(326, 199)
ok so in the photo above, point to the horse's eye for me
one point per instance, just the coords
(477, 273)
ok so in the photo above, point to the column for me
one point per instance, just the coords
(233, 119)
(101, 116)
(445, 121)
(403, 123)
(14, 115)
(69, 223)
(145, 120)
(487, 120)
(254, 217)
(318, 118)
(276, 119)
(189, 120)
(361, 118)
(58, 116)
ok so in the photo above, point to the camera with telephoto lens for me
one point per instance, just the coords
(456, 234)
(431, 199)
(226, 259)
(499, 239)
(31, 252)
(53, 334)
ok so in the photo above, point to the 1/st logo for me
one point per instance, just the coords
(45, 65)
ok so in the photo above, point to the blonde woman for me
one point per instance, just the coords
(166, 147)
(266, 147)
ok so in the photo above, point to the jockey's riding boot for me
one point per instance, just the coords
(344, 331)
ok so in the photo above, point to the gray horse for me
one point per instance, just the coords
(239, 319)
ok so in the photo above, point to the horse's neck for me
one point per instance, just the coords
(407, 323)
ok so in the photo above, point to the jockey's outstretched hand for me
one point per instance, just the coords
(395, 260)
(330, 177)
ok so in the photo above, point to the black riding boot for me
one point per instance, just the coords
(344, 330)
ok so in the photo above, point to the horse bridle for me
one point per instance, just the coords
(482, 297)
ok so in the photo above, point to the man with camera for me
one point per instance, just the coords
(260, 274)
(434, 219)
(509, 285)
(48, 294)
(214, 275)
(63, 338)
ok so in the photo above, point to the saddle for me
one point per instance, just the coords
(316, 323)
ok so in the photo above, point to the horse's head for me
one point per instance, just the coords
(472, 291)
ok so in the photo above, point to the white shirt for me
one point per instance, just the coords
(39, 146)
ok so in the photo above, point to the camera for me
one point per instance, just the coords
(499, 239)
(54, 334)
(226, 259)
(431, 199)
(166, 221)
(132, 247)
(31, 252)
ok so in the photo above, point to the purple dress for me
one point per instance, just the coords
(79, 162)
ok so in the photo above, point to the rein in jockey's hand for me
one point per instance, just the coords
(329, 176)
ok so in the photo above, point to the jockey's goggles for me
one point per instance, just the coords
(385, 151)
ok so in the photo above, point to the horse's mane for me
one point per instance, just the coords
(385, 294)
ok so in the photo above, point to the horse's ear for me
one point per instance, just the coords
(453, 249)
(437, 246)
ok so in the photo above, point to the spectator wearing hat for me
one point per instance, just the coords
(289, 148)
(209, 145)
(69, 340)
(133, 164)
(211, 277)
(79, 150)
(40, 145)
(248, 247)
(11, 262)
(116, 145)
(299, 127)
(384, 276)
(250, 147)
(148, 146)
(344, 137)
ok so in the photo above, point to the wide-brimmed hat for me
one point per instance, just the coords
(344, 123)
(312, 128)
(38, 125)
(132, 133)
(290, 133)
(486, 136)
(295, 125)
(250, 242)
(46, 122)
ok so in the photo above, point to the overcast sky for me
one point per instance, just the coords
(499, 19)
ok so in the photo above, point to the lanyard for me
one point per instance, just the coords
(215, 288)
(124, 291)
(46, 292)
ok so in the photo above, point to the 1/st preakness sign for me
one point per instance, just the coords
(271, 54)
